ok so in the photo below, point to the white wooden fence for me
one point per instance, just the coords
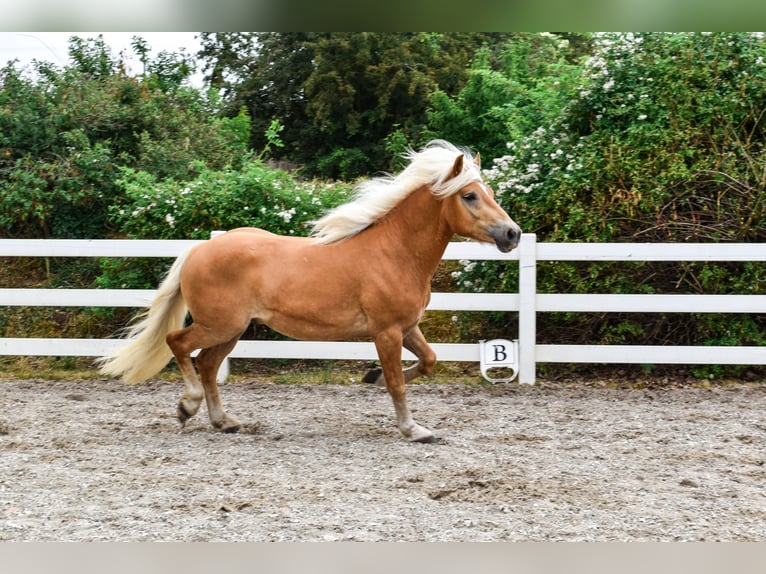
(527, 302)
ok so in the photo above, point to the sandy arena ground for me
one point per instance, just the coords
(98, 460)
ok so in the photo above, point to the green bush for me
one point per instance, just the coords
(505, 101)
(65, 132)
(252, 196)
(663, 138)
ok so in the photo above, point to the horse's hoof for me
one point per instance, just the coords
(430, 439)
(182, 414)
(372, 376)
(420, 434)
(228, 425)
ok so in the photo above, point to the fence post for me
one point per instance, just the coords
(527, 310)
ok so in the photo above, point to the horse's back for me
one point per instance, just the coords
(251, 230)
(241, 249)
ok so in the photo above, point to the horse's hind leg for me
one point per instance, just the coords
(208, 362)
(182, 342)
(193, 390)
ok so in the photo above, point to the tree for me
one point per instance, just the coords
(511, 89)
(339, 96)
(226, 57)
(64, 134)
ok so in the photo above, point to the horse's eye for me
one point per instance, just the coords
(470, 196)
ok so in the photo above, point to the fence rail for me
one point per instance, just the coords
(527, 302)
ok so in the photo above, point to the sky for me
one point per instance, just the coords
(54, 46)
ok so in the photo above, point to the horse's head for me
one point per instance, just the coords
(473, 212)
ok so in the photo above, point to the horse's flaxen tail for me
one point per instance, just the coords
(147, 352)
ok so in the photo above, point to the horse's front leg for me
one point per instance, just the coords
(416, 343)
(389, 347)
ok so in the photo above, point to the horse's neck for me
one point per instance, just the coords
(415, 230)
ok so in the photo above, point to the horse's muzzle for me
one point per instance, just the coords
(506, 235)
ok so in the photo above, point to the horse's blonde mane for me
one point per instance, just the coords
(374, 198)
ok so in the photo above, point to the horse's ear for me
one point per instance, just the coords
(477, 160)
(457, 167)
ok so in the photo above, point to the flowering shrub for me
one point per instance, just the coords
(653, 119)
(506, 104)
(662, 138)
(252, 196)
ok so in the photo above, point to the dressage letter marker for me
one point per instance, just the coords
(499, 354)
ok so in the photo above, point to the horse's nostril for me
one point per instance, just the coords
(513, 233)
(506, 236)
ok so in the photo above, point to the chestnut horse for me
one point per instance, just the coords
(364, 273)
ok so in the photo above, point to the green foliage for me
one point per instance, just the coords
(64, 134)
(252, 196)
(272, 137)
(397, 146)
(361, 85)
(338, 95)
(507, 97)
(661, 138)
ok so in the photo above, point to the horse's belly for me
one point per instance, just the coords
(330, 327)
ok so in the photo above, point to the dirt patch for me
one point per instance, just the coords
(98, 460)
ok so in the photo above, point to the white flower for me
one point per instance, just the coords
(287, 214)
(468, 265)
(171, 221)
(642, 117)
